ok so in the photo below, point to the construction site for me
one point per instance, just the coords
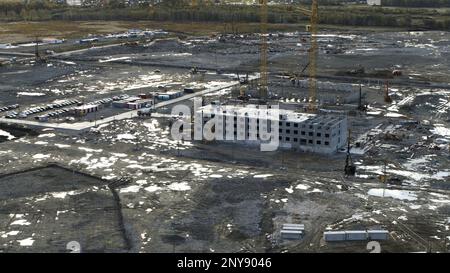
(363, 123)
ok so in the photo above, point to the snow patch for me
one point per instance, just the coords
(26, 242)
(262, 175)
(133, 188)
(40, 156)
(181, 186)
(396, 194)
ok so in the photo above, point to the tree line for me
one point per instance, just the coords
(12, 10)
(417, 3)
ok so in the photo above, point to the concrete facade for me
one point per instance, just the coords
(74, 2)
(85, 109)
(124, 103)
(374, 2)
(170, 95)
(317, 133)
(134, 105)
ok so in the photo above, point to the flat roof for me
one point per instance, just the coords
(254, 112)
(293, 225)
(86, 106)
(334, 232)
(129, 99)
(356, 231)
(171, 92)
(139, 101)
(291, 231)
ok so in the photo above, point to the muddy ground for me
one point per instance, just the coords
(221, 197)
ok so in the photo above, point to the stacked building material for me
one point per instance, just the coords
(356, 235)
(292, 231)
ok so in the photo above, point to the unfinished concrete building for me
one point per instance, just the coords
(317, 133)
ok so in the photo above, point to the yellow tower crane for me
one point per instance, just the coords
(312, 56)
(263, 81)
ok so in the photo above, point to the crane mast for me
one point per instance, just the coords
(263, 81)
(312, 90)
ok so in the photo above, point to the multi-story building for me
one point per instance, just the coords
(374, 2)
(319, 133)
(74, 2)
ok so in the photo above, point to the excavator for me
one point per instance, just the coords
(243, 88)
(387, 97)
(39, 58)
(386, 179)
(361, 106)
(242, 94)
(295, 77)
(350, 168)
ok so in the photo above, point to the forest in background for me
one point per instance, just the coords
(181, 11)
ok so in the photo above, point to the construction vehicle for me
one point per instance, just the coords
(387, 97)
(295, 77)
(39, 58)
(134, 43)
(397, 73)
(242, 95)
(386, 179)
(350, 168)
(358, 71)
(383, 177)
(243, 80)
(361, 106)
(243, 87)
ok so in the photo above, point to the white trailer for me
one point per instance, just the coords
(356, 235)
(379, 235)
(293, 227)
(334, 236)
(291, 234)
